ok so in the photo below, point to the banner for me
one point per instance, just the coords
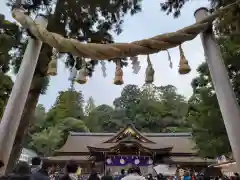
(124, 160)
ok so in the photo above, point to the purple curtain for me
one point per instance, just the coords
(124, 160)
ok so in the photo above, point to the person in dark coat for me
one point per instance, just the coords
(94, 176)
(122, 174)
(160, 176)
(38, 170)
(107, 176)
(150, 177)
(70, 171)
(1, 163)
(237, 177)
(21, 172)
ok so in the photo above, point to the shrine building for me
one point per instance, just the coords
(116, 151)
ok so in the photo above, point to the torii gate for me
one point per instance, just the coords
(225, 95)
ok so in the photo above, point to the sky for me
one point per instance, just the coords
(150, 22)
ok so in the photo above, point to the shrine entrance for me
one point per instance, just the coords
(127, 148)
(115, 164)
(116, 151)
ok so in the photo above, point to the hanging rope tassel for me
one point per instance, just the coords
(118, 80)
(169, 59)
(52, 66)
(82, 74)
(184, 68)
(149, 78)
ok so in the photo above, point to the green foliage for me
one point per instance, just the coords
(98, 20)
(205, 117)
(63, 117)
(175, 6)
(130, 96)
(204, 114)
(68, 104)
(46, 141)
(99, 119)
(227, 24)
(5, 90)
(89, 106)
(207, 125)
(9, 37)
(129, 99)
(71, 124)
(151, 109)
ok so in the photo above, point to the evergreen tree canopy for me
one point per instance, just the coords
(63, 117)
(9, 37)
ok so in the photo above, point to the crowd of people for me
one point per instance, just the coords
(37, 171)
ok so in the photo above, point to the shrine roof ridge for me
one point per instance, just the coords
(182, 134)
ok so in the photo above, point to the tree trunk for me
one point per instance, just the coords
(38, 83)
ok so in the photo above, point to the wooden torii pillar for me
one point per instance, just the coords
(13, 112)
(226, 97)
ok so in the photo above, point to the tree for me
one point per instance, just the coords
(148, 116)
(46, 141)
(204, 114)
(174, 103)
(205, 104)
(175, 6)
(5, 90)
(130, 97)
(149, 91)
(150, 108)
(205, 117)
(90, 106)
(53, 137)
(37, 124)
(97, 20)
(99, 119)
(68, 104)
(70, 124)
(40, 113)
(227, 24)
(160, 108)
(9, 37)
(63, 117)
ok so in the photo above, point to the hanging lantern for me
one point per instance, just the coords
(73, 74)
(149, 75)
(184, 68)
(52, 66)
(82, 74)
(118, 80)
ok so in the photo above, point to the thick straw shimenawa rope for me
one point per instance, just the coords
(116, 50)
